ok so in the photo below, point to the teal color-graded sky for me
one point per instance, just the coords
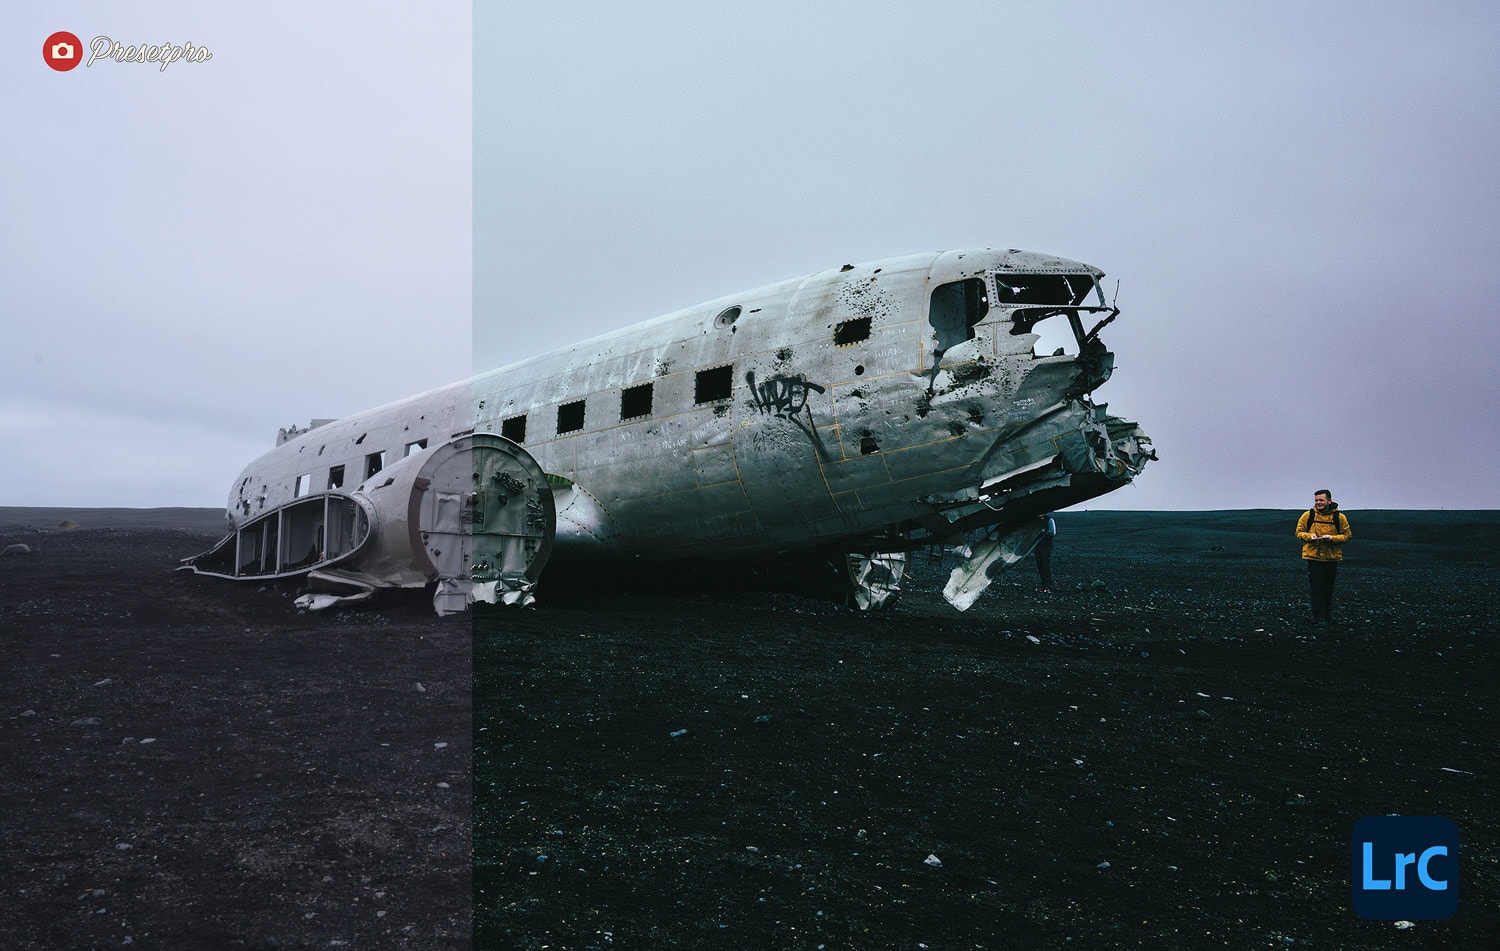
(1300, 206)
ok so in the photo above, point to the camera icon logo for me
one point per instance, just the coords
(61, 51)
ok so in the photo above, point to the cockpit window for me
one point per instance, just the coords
(1058, 328)
(1058, 331)
(1067, 289)
(955, 309)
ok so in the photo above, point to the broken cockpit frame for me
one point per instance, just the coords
(1035, 299)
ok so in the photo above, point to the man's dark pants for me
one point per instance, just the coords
(1320, 578)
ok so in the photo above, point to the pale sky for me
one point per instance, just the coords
(192, 258)
(1300, 207)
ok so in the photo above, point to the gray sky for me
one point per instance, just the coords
(191, 258)
(1301, 209)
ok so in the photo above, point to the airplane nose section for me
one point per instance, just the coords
(1076, 443)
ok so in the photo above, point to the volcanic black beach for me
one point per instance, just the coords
(1162, 752)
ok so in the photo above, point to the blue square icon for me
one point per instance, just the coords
(1405, 868)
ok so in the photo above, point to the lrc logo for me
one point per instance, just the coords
(1405, 867)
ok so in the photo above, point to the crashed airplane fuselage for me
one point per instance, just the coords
(861, 411)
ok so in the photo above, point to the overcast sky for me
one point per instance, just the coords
(191, 258)
(1301, 210)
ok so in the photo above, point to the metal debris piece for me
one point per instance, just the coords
(968, 581)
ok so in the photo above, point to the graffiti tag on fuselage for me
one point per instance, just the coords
(782, 396)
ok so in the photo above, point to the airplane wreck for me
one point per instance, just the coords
(861, 412)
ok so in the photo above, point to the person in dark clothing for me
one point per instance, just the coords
(1323, 530)
(1043, 552)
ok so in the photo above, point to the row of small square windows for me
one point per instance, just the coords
(635, 403)
(709, 385)
(374, 462)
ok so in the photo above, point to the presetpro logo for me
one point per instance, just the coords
(62, 51)
(1405, 868)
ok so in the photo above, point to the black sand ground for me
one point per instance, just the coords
(1169, 757)
(192, 764)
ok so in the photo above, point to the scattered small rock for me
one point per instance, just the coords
(149, 739)
(123, 846)
(105, 682)
(1102, 865)
(676, 733)
(68, 525)
(420, 688)
(17, 549)
(87, 721)
(440, 746)
(934, 861)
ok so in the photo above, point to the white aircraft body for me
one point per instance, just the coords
(863, 411)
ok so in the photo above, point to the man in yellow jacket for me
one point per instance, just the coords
(1323, 530)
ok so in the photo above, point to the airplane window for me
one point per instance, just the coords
(635, 402)
(1042, 288)
(514, 429)
(417, 446)
(336, 477)
(1056, 334)
(715, 384)
(956, 308)
(570, 417)
(851, 331)
(374, 462)
(304, 485)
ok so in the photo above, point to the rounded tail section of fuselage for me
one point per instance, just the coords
(473, 516)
